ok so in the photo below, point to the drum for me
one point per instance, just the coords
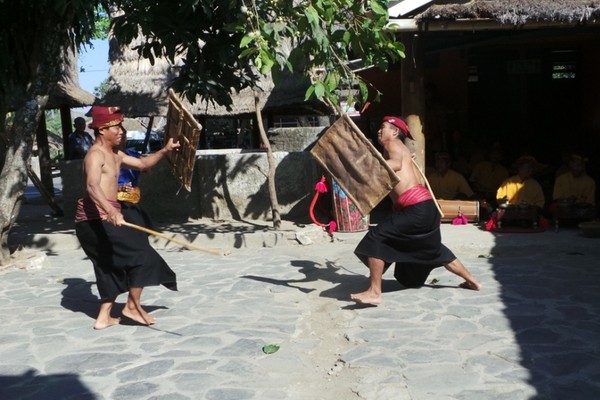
(452, 208)
(347, 215)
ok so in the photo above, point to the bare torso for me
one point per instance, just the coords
(399, 158)
(110, 164)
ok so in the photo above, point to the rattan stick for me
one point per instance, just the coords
(171, 239)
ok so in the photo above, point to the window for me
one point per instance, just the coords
(564, 64)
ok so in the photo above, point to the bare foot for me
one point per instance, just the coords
(102, 324)
(142, 318)
(367, 297)
(472, 285)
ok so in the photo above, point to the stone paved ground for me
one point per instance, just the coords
(531, 333)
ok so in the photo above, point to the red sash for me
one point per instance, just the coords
(412, 196)
(88, 210)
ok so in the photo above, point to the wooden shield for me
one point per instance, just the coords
(182, 126)
(358, 167)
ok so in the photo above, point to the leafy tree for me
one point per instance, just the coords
(225, 46)
(34, 41)
(228, 45)
(102, 88)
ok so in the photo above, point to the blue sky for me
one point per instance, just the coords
(95, 63)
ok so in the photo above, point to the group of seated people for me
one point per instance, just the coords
(517, 199)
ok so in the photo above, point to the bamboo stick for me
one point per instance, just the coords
(174, 240)
(428, 187)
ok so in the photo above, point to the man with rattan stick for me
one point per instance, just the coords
(410, 236)
(123, 259)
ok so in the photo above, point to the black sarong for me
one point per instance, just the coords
(410, 238)
(122, 256)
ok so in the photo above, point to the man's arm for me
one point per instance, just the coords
(144, 163)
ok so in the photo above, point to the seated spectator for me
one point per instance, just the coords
(79, 141)
(574, 194)
(488, 175)
(520, 197)
(446, 183)
(486, 178)
(522, 188)
(575, 185)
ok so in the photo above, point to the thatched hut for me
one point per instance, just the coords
(68, 92)
(67, 95)
(514, 13)
(516, 74)
(140, 88)
(485, 71)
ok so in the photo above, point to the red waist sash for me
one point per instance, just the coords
(412, 196)
(88, 210)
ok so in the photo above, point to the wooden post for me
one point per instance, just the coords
(413, 94)
(44, 156)
(67, 127)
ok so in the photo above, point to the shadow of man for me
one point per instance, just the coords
(341, 284)
(78, 296)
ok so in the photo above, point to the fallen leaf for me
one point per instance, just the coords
(270, 348)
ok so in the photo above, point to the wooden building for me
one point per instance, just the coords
(519, 74)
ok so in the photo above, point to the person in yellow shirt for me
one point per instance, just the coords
(574, 194)
(575, 185)
(488, 175)
(522, 188)
(520, 197)
(446, 183)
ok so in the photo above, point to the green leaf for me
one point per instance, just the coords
(378, 8)
(309, 92)
(319, 89)
(332, 80)
(245, 41)
(270, 348)
(267, 61)
(312, 16)
(268, 28)
(364, 90)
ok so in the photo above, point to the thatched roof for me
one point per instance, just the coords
(515, 12)
(141, 89)
(67, 93)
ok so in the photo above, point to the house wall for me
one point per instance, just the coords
(226, 184)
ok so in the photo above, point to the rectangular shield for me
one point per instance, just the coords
(358, 167)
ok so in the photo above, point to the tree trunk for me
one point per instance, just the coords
(272, 167)
(20, 135)
(13, 178)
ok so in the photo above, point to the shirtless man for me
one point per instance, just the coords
(123, 258)
(410, 236)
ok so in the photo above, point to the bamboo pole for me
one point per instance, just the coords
(174, 240)
(428, 186)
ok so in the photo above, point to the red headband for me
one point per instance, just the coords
(398, 123)
(104, 117)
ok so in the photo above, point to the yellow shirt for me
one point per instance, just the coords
(582, 188)
(521, 192)
(449, 185)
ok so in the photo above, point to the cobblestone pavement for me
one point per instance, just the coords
(532, 332)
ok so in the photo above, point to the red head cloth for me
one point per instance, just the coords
(104, 117)
(400, 124)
